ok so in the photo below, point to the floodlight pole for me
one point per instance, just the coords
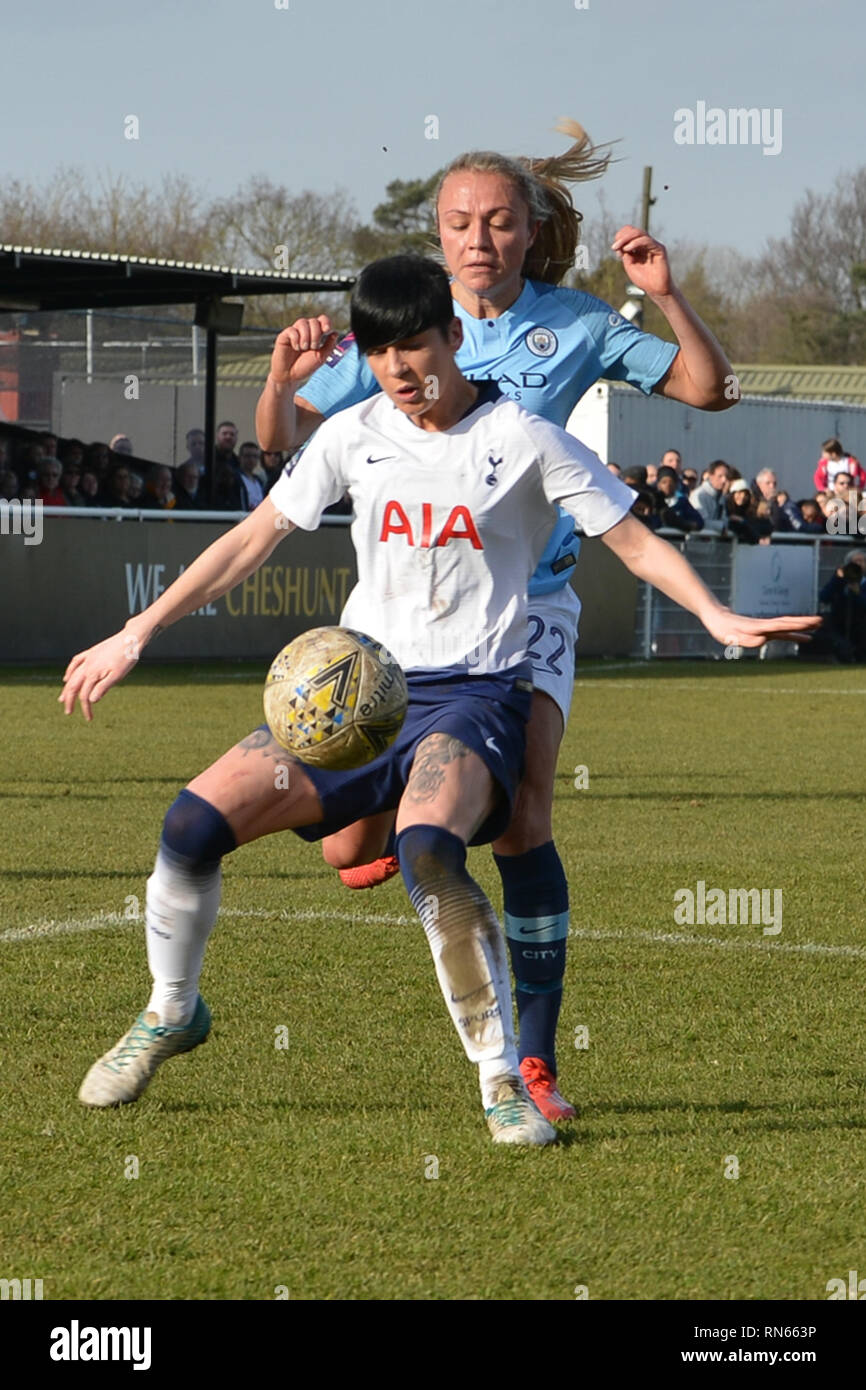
(646, 200)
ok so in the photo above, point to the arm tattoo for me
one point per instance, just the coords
(428, 768)
(264, 740)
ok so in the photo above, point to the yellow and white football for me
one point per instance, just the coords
(335, 698)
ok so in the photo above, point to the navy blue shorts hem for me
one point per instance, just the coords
(486, 713)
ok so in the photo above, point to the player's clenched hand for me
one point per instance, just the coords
(301, 348)
(733, 630)
(90, 674)
(644, 260)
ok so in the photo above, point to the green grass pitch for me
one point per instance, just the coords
(309, 1168)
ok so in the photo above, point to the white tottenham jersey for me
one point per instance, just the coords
(449, 525)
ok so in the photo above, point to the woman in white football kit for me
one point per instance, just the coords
(440, 550)
(509, 232)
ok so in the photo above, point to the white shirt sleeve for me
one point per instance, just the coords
(575, 478)
(314, 481)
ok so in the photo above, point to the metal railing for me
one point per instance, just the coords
(663, 629)
(159, 514)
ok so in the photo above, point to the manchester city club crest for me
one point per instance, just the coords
(542, 341)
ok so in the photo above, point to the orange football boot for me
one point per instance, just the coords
(541, 1085)
(371, 875)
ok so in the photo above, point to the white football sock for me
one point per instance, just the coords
(472, 969)
(180, 915)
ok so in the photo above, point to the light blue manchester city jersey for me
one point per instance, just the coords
(545, 351)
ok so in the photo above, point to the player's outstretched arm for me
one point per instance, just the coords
(225, 563)
(281, 421)
(700, 374)
(657, 561)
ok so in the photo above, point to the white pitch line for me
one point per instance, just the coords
(51, 928)
(35, 931)
(749, 689)
(809, 948)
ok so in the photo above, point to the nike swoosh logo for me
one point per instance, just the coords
(382, 459)
(491, 743)
(458, 999)
(531, 931)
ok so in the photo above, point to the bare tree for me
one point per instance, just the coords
(811, 285)
(264, 225)
(109, 213)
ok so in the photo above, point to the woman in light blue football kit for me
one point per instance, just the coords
(509, 232)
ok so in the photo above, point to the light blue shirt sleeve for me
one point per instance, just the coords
(344, 379)
(625, 353)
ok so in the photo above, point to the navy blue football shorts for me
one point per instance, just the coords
(487, 713)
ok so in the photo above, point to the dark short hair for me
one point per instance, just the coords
(249, 444)
(636, 476)
(832, 446)
(226, 422)
(398, 297)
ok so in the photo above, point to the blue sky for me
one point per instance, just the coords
(328, 93)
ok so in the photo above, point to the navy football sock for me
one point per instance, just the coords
(196, 833)
(536, 925)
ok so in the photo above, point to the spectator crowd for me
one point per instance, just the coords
(670, 495)
(69, 473)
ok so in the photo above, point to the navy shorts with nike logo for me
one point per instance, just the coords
(486, 712)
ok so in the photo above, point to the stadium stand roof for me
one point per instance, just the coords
(36, 278)
(845, 384)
